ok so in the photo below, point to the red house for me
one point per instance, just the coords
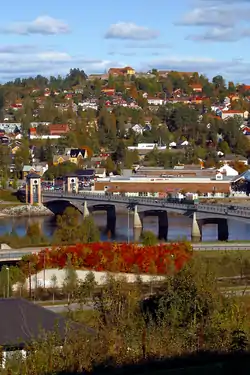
(58, 129)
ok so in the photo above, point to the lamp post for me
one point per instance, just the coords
(128, 224)
(44, 268)
(8, 282)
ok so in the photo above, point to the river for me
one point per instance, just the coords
(179, 227)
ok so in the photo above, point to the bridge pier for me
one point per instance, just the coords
(137, 219)
(221, 223)
(163, 226)
(111, 221)
(85, 210)
(223, 232)
(196, 231)
(137, 225)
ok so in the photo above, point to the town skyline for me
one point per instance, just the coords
(200, 35)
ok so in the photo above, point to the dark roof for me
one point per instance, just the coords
(74, 152)
(243, 176)
(82, 173)
(233, 157)
(33, 175)
(22, 322)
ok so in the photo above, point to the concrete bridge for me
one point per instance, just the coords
(202, 214)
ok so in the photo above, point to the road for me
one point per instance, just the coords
(65, 308)
(59, 309)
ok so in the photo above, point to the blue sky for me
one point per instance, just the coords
(51, 36)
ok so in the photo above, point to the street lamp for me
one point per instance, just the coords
(8, 282)
(128, 223)
(130, 207)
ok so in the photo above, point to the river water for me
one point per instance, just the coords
(179, 227)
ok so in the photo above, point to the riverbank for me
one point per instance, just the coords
(25, 210)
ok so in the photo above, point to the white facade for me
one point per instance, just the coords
(228, 171)
(147, 146)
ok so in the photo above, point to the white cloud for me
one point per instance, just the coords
(217, 34)
(129, 30)
(44, 25)
(151, 45)
(236, 69)
(48, 62)
(218, 16)
(54, 56)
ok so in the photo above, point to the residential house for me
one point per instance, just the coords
(59, 159)
(10, 127)
(121, 71)
(23, 322)
(39, 169)
(102, 77)
(32, 131)
(137, 128)
(233, 112)
(231, 158)
(58, 129)
(4, 140)
(76, 154)
(100, 173)
(228, 171)
(196, 87)
(165, 73)
(108, 91)
(68, 96)
(155, 101)
(15, 149)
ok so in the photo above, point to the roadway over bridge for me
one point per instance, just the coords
(201, 213)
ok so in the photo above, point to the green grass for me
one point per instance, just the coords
(227, 263)
(8, 196)
(91, 318)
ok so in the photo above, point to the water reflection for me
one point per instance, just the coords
(179, 227)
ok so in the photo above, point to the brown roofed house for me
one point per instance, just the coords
(58, 129)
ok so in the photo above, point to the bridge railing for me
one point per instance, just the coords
(237, 211)
(11, 255)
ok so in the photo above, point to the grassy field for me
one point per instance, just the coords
(8, 196)
(227, 263)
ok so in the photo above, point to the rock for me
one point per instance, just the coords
(26, 210)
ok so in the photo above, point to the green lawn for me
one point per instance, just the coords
(8, 196)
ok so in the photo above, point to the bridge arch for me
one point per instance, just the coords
(221, 223)
(111, 215)
(162, 221)
(58, 206)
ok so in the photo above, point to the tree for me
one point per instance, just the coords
(219, 82)
(119, 155)
(88, 231)
(70, 282)
(22, 156)
(149, 238)
(33, 232)
(67, 226)
(54, 286)
(224, 147)
(70, 230)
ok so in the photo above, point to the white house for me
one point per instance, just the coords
(228, 171)
(155, 101)
(231, 113)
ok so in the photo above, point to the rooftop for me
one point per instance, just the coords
(22, 322)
